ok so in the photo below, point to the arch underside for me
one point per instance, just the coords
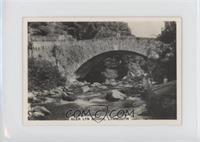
(93, 68)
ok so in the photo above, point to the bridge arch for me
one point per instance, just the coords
(70, 57)
(116, 60)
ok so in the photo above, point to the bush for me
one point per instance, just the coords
(43, 75)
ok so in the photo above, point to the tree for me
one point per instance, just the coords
(168, 55)
(80, 30)
(168, 35)
(43, 75)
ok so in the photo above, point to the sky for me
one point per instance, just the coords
(148, 29)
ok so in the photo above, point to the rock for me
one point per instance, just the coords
(134, 98)
(78, 83)
(30, 95)
(70, 93)
(134, 70)
(85, 89)
(165, 80)
(112, 82)
(38, 112)
(110, 73)
(103, 87)
(56, 93)
(58, 90)
(45, 92)
(41, 109)
(107, 81)
(49, 100)
(140, 109)
(32, 98)
(35, 92)
(51, 92)
(37, 115)
(115, 95)
(75, 89)
(67, 97)
(29, 107)
(96, 84)
(42, 94)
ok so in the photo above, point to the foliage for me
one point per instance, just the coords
(80, 30)
(168, 54)
(38, 28)
(43, 75)
(168, 35)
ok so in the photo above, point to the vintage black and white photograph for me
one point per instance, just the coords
(102, 70)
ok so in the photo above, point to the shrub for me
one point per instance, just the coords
(43, 75)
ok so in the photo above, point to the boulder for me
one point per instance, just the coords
(49, 100)
(58, 90)
(134, 98)
(41, 109)
(51, 92)
(140, 110)
(111, 82)
(30, 95)
(56, 93)
(32, 98)
(70, 93)
(38, 113)
(85, 89)
(45, 92)
(78, 83)
(110, 73)
(96, 84)
(115, 95)
(67, 97)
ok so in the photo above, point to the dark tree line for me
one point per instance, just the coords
(168, 55)
(80, 30)
(168, 34)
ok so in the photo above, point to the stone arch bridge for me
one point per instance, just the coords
(71, 55)
(78, 54)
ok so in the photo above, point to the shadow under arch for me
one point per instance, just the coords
(90, 71)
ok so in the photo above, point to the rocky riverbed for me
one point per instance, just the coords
(52, 104)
